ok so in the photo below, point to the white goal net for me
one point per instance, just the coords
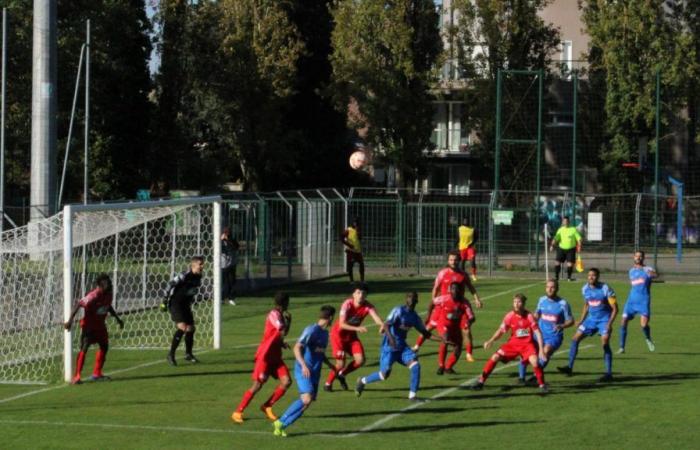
(139, 245)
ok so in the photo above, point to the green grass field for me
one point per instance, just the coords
(651, 404)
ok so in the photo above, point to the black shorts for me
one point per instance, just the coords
(181, 313)
(566, 255)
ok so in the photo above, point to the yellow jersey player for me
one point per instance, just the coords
(353, 249)
(467, 247)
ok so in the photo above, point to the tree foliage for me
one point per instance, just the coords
(630, 42)
(384, 53)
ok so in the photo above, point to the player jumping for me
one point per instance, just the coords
(599, 312)
(522, 325)
(310, 352)
(268, 359)
(638, 300)
(450, 274)
(96, 305)
(400, 320)
(344, 339)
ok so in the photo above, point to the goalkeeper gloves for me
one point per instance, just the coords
(164, 305)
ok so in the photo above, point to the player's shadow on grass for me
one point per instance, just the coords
(410, 411)
(403, 389)
(437, 427)
(179, 375)
(633, 381)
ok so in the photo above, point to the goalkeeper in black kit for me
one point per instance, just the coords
(181, 293)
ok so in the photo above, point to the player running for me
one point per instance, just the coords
(344, 339)
(599, 312)
(268, 359)
(96, 305)
(309, 352)
(467, 246)
(553, 314)
(638, 300)
(400, 320)
(456, 316)
(448, 275)
(522, 325)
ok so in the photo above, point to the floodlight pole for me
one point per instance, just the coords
(573, 146)
(2, 120)
(87, 111)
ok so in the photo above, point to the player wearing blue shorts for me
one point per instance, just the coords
(310, 353)
(400, 320)
(599, 313)
(638, 300)
(553, 315)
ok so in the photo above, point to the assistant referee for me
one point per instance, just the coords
(568, 241)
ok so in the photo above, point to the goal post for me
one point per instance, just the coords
(192, 226)
(47, 265)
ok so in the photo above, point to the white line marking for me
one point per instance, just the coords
(132, 427)
(441, 394)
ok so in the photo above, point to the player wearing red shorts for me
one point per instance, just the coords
(467, 246)
(522, 325)
(456, 315)
(96, 305)
(344, 339)
(450, 274)
(268, 359)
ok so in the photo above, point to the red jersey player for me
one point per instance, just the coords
(456, 316)
(268, 359)
(522, 325)
(344, 339)
(450, 274)
(96, 305)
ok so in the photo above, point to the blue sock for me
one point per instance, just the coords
(292, 413)
(522, 369)
(573, 351)
(647, 332)
(415, 378)
(543, 363)
(372, 378)
(623, 336)
(607, 358)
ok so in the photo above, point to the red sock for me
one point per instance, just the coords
(247, 397)
(442, 353)
(451, 361)
(469, 348)
(99, 363)
(488, 368)
(276, 395)
(79, 363)
(331, 376)
(420, 340)
(539, 373)
(350, 368)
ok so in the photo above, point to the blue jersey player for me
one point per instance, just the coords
(400, 320)
(310, 354)
(599, 313)
(638, 300)
(553, 315)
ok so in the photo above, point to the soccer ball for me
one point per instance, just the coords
(358, 160)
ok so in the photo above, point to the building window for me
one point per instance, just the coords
(450, 133)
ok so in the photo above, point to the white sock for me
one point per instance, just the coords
(411, 395)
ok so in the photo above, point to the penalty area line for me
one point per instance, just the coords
(440, 394)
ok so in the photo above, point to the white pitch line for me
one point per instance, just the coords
(440, 394)
(132, 427)
(127, 369)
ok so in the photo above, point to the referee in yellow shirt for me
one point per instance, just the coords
(568, 242)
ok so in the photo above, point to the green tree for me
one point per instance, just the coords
(489, 35)
(384, 55)
(630, 42)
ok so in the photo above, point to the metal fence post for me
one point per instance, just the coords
(309, 237)
(419, 234)
(290, 227)
(491, 231)
(328, 233)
